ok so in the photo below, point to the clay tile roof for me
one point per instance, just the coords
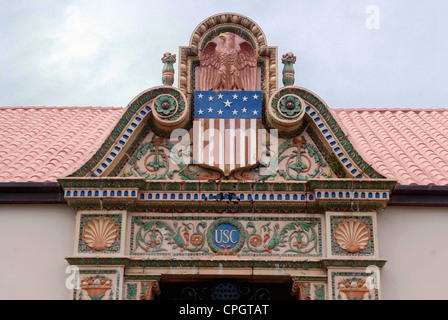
(39, 144)
(408, 144)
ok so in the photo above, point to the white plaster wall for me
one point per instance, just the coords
(34, 241)
(414, 240)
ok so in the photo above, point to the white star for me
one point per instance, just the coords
(210, 110)
(200, 111)
(220, 96)
(210, 98)
(228, 103)
(244, 110)
(200, 96)
(235, 96)
(255, 112)
(220, 112)
(255, 96)
(235, 112)
(244, 98)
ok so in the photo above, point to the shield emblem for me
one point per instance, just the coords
(225, 129)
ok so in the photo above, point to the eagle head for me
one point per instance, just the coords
(223, 36)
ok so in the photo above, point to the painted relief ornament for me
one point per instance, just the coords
(228, 68)
(96, 287)
(288, 60)
(226, 236)
(156, 236)
(168, 60)
(352, 235)
(286, 110)
(100, 233)
(166, 105)
(289, 106)
(354, 289)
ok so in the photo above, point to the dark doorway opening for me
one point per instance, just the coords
(224, 288)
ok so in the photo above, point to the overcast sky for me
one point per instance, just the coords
(376, 53)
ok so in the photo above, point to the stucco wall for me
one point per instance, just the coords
(414, 240)
(34, 240)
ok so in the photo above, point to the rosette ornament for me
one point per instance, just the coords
(166, 105)
(169, 108)
(285, 110)
(289, 106)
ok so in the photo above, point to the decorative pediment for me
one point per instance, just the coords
(292, 156)
(230, 175)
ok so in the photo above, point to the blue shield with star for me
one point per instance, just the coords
(225, 129)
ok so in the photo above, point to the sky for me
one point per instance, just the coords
(353, 54)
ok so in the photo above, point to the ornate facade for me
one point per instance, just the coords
(152, 214)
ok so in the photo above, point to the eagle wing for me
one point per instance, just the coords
(247, 64)
(209, 65)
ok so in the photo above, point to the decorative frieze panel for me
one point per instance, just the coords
(100, 232)
(98, 284)
(245, 236)
(349, 284)
(352, 234)
(160, 158)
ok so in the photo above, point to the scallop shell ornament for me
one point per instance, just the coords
(352, 235)
(100, 233)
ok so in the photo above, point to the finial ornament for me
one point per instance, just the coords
(288, 60)
(168, 60)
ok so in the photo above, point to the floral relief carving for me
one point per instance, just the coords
(289, 106)
(247, 238)
(166, 105)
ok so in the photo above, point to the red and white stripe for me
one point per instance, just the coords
(225, 143)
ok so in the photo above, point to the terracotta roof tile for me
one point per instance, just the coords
(409, 144)
(41, 143)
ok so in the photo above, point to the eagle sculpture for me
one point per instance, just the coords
(228, 68)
